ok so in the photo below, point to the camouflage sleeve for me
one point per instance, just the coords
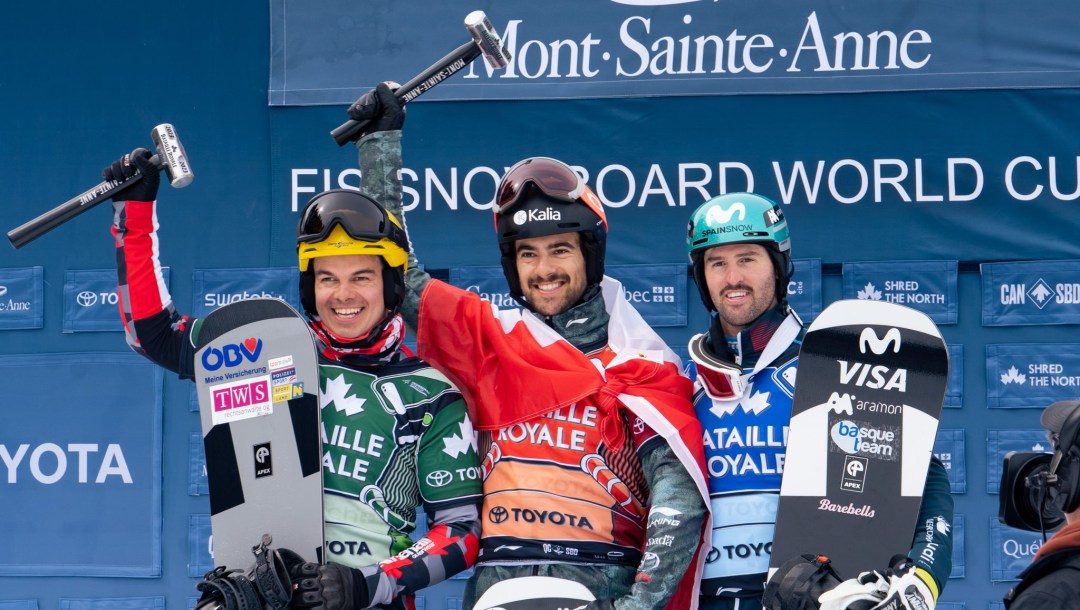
(931, 549)
(676, 516)
(380, 171)
(448, 468)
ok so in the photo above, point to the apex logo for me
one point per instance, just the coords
(264, 462)
(716, 216)
(878, 345)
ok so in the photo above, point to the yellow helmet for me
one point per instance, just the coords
(341, 222)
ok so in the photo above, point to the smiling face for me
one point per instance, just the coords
(742, 284)
(552, 271)
(349, 293)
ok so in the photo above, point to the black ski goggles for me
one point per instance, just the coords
(554, 178)
(362, 219)
(720, 379)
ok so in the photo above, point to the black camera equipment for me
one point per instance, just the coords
(1037, 489)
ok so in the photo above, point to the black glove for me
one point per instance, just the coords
(329, 587)
(379, 106)
(143, 189)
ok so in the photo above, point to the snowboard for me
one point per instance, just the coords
(869, 390)
(257, 377)
(535, 593)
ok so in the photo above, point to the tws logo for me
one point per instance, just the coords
(717, 216)
(869, 339)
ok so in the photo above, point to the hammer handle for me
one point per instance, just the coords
(437, 73)
(25, 233)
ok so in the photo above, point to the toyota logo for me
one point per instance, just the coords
(713, 555)
(85, 298)
(439, 478)
(639, 426)
(498, 514)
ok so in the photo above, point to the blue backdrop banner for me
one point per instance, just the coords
(90, 300)
(93, 440)
(200, 560)
(954, 392)
(950, 448)
(1031, 375)
(21, 302)
(329, 52)
(959, 557)
(1011, 550)
(197, 481)
(1031, 292)
(213, 288)
(1001, 442)
(804, 289)
(114, 603)
(929, 286)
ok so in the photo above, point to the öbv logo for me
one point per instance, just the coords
(716, 216)
(231, 354)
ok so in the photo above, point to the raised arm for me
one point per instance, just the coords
(152, 325)
(380, 170)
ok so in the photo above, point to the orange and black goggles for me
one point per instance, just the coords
(554, 179)
(720, 379)
(362, 219)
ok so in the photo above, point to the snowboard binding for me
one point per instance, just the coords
(267, 586)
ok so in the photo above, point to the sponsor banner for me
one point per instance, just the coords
(949, 447)
(113, 603)
(200, 557)
(197, 481)
(1001, 442)
(929, 286)
(1031, 375)
(21, 302)
(81, 430)
(826, 185)
(91, 301)
(950, 605)
(658, 292)
(1029, 293)
(1011, 550)
(330, 52)
(213, 288)
(954, 393)
(804, 289)
(19, 604)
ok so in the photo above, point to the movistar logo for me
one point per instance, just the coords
(719, 216)
(869, 338)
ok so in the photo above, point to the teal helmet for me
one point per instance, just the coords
(739, 218)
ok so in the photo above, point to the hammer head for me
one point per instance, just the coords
(172, 156)
(487, 39)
